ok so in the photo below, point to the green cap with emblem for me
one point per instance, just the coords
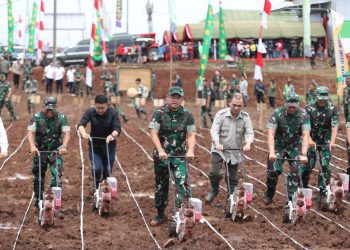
(322, 93)
(292, 100)
(176, 90)
(50, 102)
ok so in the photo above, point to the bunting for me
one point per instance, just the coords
(208, 34)
(10, 26)
(261, 47)
(31, 42)
(222, 36)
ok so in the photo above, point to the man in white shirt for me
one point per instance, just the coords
(59, 74)
(70, 79)
(3, 141)
(49, 75)
(243, 89)
(17, 70)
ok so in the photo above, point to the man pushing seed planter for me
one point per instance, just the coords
(231, 129)
(170, 126)
(45, 132)
(288, 137)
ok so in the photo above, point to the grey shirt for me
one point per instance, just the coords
(231, 133)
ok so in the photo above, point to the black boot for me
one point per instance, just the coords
(269, 194)
(159, 219)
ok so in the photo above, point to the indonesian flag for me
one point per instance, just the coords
(259, 60)
(40, 33)
(19, 31)
(104, 38)
(90, 65)
(266, 12)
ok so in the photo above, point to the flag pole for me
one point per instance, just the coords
(54, 30)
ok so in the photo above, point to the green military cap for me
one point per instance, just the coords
(292, 100)
(50, 102)
(322, 93)
(176, 90)
(2, 74)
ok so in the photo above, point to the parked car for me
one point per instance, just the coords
(74, 55)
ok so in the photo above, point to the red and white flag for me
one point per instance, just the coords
(90, 64)
(40, 32)
(19, 31)
(265, 13)
(104, 38)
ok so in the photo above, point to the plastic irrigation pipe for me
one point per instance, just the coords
(82, 191)
(251, 177)
(133, 196)
(277, 228)
(24, 218)
(13, 153)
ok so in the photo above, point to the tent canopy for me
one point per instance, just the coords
(246, 24)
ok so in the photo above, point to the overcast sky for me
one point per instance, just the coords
(187, 11)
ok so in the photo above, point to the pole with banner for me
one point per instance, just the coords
(10, 28)
(222, 35)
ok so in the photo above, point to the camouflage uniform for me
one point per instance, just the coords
(107, 87)
(311, 96)
(206, 93)
(27, 71)
(173, 128)
(5, 89)
(288, 137)
(48, 137)
(78, 87)
(322, 120)
(30, 87)
(346, 102)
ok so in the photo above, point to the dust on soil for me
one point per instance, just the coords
(125, 228)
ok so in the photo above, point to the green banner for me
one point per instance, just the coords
(31, 42)
(208, 34)
(222, 37)
(307, 29)
(10, 26)
(97, 39)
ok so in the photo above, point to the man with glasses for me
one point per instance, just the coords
(231, 129)
(170, 126)
(105, 127)
(288, 132)
(324, 119)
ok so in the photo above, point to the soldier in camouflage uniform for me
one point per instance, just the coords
(206, 109)
(30, 87)
(27, 71)
(346, 102)
(170, 126)
(288, 136)
(106, 77)
(45, 132)
(324, 121)
(311, 94)
(5, 96)
(78, 82)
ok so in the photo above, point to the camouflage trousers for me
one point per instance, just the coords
(9, 106)
(30, 104)
(204, 112)
(78, 89)
(324, 174)
(182, 189)
(274, 169)
(55, 163)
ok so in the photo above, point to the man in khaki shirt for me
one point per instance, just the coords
(230, 130)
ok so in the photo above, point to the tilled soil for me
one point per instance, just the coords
(125, 227)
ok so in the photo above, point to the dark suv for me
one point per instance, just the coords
(75, 55)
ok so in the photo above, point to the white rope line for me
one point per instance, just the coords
(286, 235)
(138, 144)
(258, 140)
(213, 229)
(13, 153)
(82, 191)
(293, 240)
(10, 126)
(24, 218)
(341, 139)
(133, 196)
(340, 147)
(260, 133)
(262, 149)
(210, 226)
(201, 136)
(330, 220)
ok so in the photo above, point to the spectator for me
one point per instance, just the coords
(17, 70)
(252, 48)
(4, 66)
(233, 51)
(177, 81)
(288, 88)
(70, 79)
(243, 89)
(216, 85)
(272, 93)
(49, 75)
(259, 91)
(59, 74)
